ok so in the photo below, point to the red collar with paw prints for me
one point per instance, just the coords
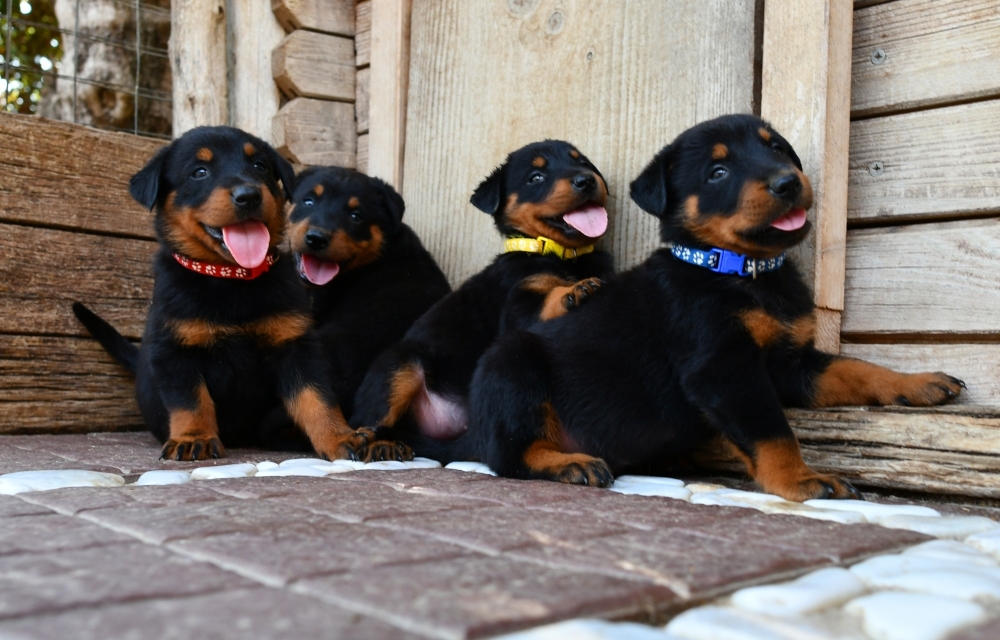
(231, 271)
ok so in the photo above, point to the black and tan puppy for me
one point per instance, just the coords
(711, 337)
(229, 338)
(371, 277)
(548, 200)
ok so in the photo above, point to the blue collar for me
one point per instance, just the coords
(723, 261)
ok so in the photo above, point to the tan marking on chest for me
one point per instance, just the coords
(273, 331)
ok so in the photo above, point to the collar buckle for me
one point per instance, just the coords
(730, 262)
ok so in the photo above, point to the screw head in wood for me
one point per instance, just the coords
(876, 168)
(878, 56)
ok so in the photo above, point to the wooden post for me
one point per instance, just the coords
(198, 63)
(253, 31)
(390, 73)
(806, 95)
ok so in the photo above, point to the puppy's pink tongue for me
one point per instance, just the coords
(590, 220)
(791, 221)
(317, 271)
(248, 242)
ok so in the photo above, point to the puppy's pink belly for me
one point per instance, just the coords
(439, 418)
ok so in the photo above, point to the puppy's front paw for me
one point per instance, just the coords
(580, 291)
(192, 449)
(816, 487)
(927, 389)
(385, 450)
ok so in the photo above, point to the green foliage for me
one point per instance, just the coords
(35, 49)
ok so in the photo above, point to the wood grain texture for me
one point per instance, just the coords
(805, 94)
(935, 53)
(254, 99)
(198, 64)
(363, 153)
(43, 271)
(50, 176)
(977, 364)
(363, 35)
(328, 16)
(390, 72)
(945, 450)
(931, 278)
(619, 79)
(64, 385)
(310, 131)
(315, 65)
(361, 99)
(940, 163)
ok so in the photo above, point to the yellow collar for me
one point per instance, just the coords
(544, 246)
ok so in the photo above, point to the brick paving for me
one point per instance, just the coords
(428, 553)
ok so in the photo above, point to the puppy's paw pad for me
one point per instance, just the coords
(192, 449)
(581, 291)
(594, 473)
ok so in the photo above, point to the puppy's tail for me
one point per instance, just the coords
(126, 353)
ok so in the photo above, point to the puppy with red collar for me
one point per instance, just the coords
(229, 336)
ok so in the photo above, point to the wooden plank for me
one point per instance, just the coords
(805, 94)
(316, 132)
(65, 385)
(390, 72)
(977, 364)
(50, 176)
(328, 16)
(315, 65)
(947, 450)
(933, 53)
(43, 271)
(932, 278)
(363, 153)
(198, 64)
(253, 97)
(488, 77)
(936, 163)
(363, 36)
(361, 100)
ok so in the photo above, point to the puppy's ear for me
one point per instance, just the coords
(145, 185)
(649, 190)
(488, 194)
(394, 203)
(285, 172)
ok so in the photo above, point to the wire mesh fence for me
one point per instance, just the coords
(102, 63)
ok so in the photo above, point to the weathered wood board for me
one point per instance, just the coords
(51, 176)
(941, 278)
(936, 163)
(932, 53)
(978, 365)
(618, 79)
(390, 72)
(308, 131)
(43, 271)
(252, 33)
(198, 64)
(315, 65)
(363, 36)
(361, 99)
(363, 153)
(62, 384)
(328, 16)
(941, 450)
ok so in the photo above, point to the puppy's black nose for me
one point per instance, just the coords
(786, 186)
(246, 196)
(584, 182)
(317, 240)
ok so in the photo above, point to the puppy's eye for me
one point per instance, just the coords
(776, 147)
(718, 173)
(536, 177)
(260, 167)
(356, 216)
(200, 173)
(308, 202)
